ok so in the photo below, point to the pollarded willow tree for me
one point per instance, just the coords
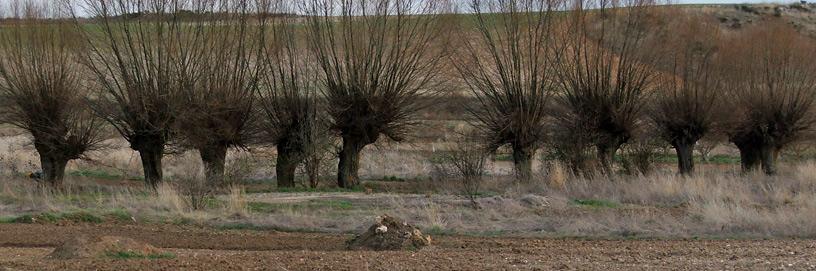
(507, 66)
(41, 87)
(771, 90)
(290, 113)
(688, 96)
(377, 59)
(605, 75)
(134, 51)
(218, 78)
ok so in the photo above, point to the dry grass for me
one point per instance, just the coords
(236, 202)
(710, 204)
(557, 175)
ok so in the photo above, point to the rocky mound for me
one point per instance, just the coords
(84, 247)
(390, 233)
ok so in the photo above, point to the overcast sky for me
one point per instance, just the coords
(4, 3)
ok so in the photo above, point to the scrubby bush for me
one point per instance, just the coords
(466, 162)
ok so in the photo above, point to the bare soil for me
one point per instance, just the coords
(26, 246)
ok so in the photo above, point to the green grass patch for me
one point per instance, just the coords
(53, 217)
(265, 207)
(125, 255)
(333, 204)
(119, 214)
(261, 207)
(723, 159)
(8, 219)
(504, 157)
(181, 221)
(322, 189)
(436, 230)
(595, 203)
(80, 216)
(256, 227)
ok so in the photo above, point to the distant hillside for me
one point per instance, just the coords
(736, 16)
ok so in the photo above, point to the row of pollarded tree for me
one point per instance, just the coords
(238, 74)
(608, 70)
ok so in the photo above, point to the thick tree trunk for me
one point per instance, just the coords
(53, 169)
(768, 157)
(606, 155)
(749, 157)
(685, 156)
(313, 171)
(349, 162)
(314, 178)
(215, 159)
(285, 167)
(523, 161)
(151, 150)
(152, 165)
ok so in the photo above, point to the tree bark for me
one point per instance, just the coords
(53, 169)
(749, 157)
(606, 155)
(214, 158)
(685, 156)
(286, 166)
(313, 171)
(523, 161)
(349, 162)
(152, 165)
(151, 151)
(768, 157)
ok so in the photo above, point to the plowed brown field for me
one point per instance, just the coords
(26, 246)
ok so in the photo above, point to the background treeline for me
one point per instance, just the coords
(323, 78)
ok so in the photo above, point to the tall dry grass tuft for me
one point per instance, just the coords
(557, 176)
(169, 198)
(433, 215)
(236, 201)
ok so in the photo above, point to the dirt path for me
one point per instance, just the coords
(25, 246)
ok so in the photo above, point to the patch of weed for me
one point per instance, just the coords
(436, 230)
(261, 207)
(8, 219)
(125, 255)
(333, 204)
(503, 157)
(322, 189)
(120, 214)
(80, 216)
(47, 217)
(265, 207)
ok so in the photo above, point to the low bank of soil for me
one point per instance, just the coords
(25, 247)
